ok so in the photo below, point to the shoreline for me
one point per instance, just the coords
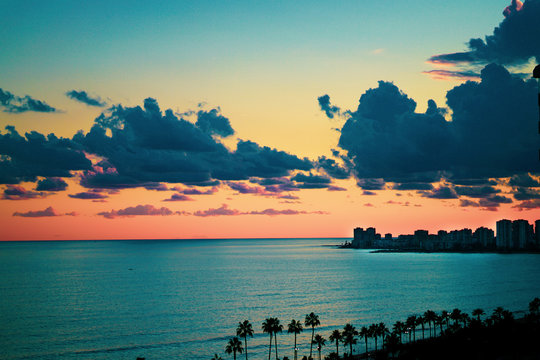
(445, 251)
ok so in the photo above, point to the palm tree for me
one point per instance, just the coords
(336, 336)
(399, 329)
(392, 343)
(465, 318)
(234, 346)
(411, 325)
(429, 316)
(349, 336)
(445, 316)
(320, 341)
(276, 328)
(364, 333)
(268, 327)
(439, 321)
(295, 327)
(382, 331)
(374, 333)
(420, 321)
(455, 315)
(312, 320)
(498, 313)
(478, 313)
(244, 330)
(216, 357)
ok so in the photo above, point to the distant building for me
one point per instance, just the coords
(522, 234)
(504, 234)
(484, 237)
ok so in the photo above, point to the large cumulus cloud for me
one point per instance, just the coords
(514, 41)
(24, 158)
(143, 145)
(492, 133)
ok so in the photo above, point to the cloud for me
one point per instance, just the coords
(48, 212)
(528, 205)
(523, 193)
(385, 139)
(332, 168)
(369, 193)
(243, 188)
(512, 42)
(412, 186)
(476, 191)
(179, 197)
(442, 192)
(524, 180)
(311, 181)
(193, 191)
(336, 188)
(82, 96)
(148, 146)
(89, 195)
(440, 74)
(212, 122)
(224, 210)
(25, 158)
(17, 192)
(51, 184)
(139, 210)
(15, 104)
(329, 110)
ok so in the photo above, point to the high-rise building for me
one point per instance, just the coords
(484, 237)
(522, 234)
(504, 234)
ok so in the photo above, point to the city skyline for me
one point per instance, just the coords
(266, 120)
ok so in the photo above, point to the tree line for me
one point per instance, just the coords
(402, 331)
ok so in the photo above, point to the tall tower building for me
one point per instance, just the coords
(504, 234)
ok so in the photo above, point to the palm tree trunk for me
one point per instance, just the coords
(319, 353)
(294, 346)
(423, 337)
(270, 347)
(375, 342)
(311, 346)
(337, 347)
(234, 355)
(365, 337)
(275, 343)
(245, 345)
(350, 344)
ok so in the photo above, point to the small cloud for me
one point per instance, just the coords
(88, 195)
(139, 210)
(377, 51)
(221, 211)
(48, 212)
(179, 197)
(17, 192)
(336, 188)
(51, 184)
(15, 104)
(329, 109)
(452, 75)
(369, 193)
(82, 96)
(528, 205)
(369, 205)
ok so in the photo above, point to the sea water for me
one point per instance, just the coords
(183, 299)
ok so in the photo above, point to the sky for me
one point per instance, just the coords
(249, 119)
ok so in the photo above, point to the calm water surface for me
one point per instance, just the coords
(183, 299)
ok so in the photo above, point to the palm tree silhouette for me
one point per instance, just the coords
(216, 357)
(534, 307)
(268, 327)
(276, 328)
(312, 320)
(411, 325)
(498, 313)
(420, 321)
(445, 316)
(336, 336)
(478, 313)
(392, 343)
(244, 330)
(455, 315)
(429, 316)
(374, 332)
(320, 341)
(295, 327)
(399, 327)
(364, 333)
(349, 336)
(233, 347)
(382, 331)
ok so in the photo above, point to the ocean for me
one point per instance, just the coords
(183, 299)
